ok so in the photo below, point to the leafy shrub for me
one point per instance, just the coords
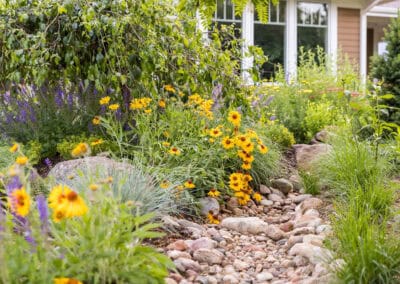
(386, 67)
(280, 135)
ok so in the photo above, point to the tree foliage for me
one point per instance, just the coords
(207, 7)
(387, 67)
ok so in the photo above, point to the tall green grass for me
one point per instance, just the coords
(364, 202)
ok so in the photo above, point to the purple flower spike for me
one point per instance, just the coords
(48, 163)
(43, 213)
(13, 184)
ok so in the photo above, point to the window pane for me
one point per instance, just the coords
(271, 39)
(220, 9)
(312, 13)
(282, 11)
(273, 13)
(229, 10)
(311, 37)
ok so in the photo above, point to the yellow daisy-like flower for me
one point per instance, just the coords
(239, 194)
(211, 140)
(104, 100)
(181, 94)
(58, 215)
(189, 184)
(169, 88)
(161, 103)
(147, 111)
(262, 148)
(20, 202)
(227, 143)
(251, 134)
(14, 148)
(94, 187)
(234, 177)
(249, 147)
(166, 144)
(248, 158)
(213, 219)
(247, 178)
(242, 140)
(113, 107)
(180, 187)
(165, 184)
(66, 202)
(246, 165)
(21, 160)
(234, 117)
(63, 280)
(174, 151)
(215, 132)
(213, 193)
(97, 142)
(235, 185)
(81, 149)
(244, 200)
(96, 120)
(257, 197)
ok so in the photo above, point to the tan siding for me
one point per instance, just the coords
(349, 33)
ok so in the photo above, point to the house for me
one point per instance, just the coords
(355, 27)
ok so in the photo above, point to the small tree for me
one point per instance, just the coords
(387, 67)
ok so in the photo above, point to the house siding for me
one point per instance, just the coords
(349, 33)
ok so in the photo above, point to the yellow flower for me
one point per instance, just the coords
(147, 110)
(257, 197)
(180, 187)
(166, 144)
(166, 134)
(247, 178)
(249, 147)
(251, 134)
(165, 184)
(227, 143)
(211, 140)
(189, 184)
(181, 94)
(96, 120)
(169, 88)
(104, 100)
(213, 193)
(244, 200)
(66, 281)
(14, 148)
(113, 107)
(97, 142)
(161, 103)
(248, 158)
(215, 132)
(212, 218)
(66, 203)
(246, 165)
(107, 180)
(242, 140)
(80, 150)
(20, 202)
(262, 148)
(234, 177)
(234, 117)
(93, 187)
(21, 160)
(174, 151)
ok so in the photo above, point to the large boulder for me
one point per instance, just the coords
(63, 172)
(306, 155)
(245, 225)
(209, 204)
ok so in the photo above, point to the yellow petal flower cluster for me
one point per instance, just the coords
(213, 193)
(20, 202)
(64, 280)
(140, 103)
(212, 219)
(239, 183)
(169, 88)
(203, 106)
(21, 160)
(189, 184)
(66, 203)
(81, 149)
(105, 100)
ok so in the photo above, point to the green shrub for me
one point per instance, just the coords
(386, 67)
(280, 135)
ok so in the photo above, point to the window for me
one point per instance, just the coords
(225, 15)
(271, 38)
(312, 25)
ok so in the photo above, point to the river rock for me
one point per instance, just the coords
(209, 204)
(313, 253)
(283, 185)
(244, 225)
(210, 256)
(307, 155)
(273, 232)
